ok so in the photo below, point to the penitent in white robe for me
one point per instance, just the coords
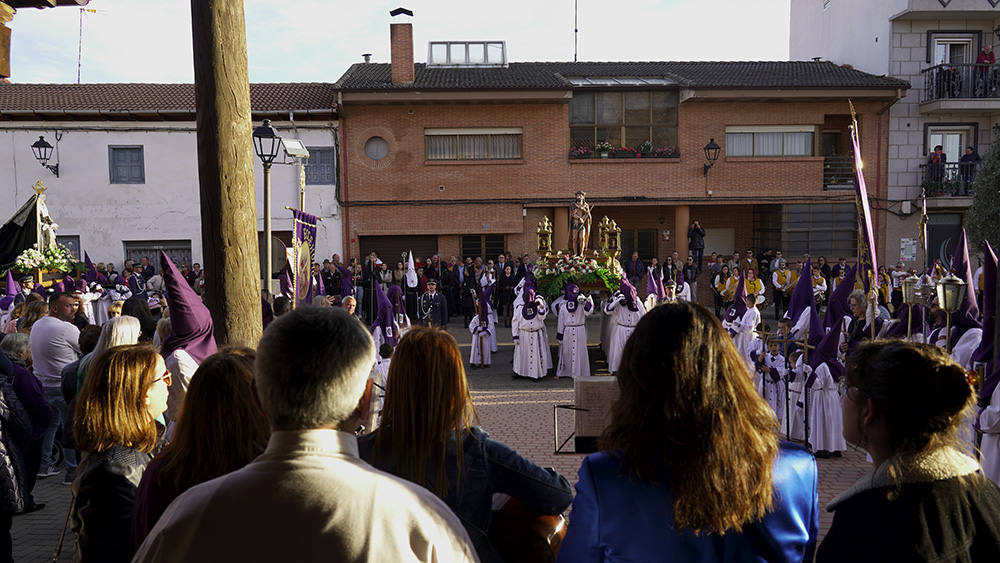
(533, 358)
(774, 391)
(481, 332)
(744, 328)
(989, 423)
(623, 324)
(571, 330)
(379, 336)
(798, 400)
(826, 420)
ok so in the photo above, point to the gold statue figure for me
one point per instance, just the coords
(579, 224)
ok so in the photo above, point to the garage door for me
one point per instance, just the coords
(389, 248)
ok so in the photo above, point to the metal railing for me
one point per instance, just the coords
(966, 81)
(838, 172)
(949, 178)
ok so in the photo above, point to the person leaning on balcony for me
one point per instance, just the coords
(986, 57)
(967, 166)
(936, 162)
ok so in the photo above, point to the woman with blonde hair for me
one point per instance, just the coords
(220, 430)
(115, 309)
(115, 428)
(429, 435)
(118, 331)
(32, 313)
(690, 467)
(926, 499)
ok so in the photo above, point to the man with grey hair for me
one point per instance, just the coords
(309, 497)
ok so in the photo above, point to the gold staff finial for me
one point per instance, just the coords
(39, 187)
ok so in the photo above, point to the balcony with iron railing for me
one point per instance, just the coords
(949, 178)
(961, 87)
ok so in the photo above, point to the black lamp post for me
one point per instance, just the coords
(43, 152)
(266, 143)
(711, 154)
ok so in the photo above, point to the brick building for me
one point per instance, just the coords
(465, 153)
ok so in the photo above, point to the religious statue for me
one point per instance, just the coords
(46, 227)
(579, 224)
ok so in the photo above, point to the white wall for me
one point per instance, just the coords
(166, 207)
(854, 32)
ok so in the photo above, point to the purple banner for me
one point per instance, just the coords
(867, 230)
(304, 247)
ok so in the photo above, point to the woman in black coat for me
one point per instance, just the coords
(926, 499)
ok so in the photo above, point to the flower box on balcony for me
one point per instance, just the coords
(625, 152)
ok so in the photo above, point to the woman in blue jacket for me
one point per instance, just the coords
(691, 468)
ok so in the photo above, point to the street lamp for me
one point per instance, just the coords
(711, 154)
(951, 292)
(266, 143)
(43, 152)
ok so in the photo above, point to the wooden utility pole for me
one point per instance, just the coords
(225, 171)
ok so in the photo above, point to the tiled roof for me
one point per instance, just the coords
(555, 75)
(156, 97)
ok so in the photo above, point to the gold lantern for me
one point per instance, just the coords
(544, 233)
(951, 292)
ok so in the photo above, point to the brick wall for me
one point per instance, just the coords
(403, 192)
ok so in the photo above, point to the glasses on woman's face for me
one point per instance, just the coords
(165, 378)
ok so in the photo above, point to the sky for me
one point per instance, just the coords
(317, 40)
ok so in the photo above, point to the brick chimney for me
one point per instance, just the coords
(401, 53)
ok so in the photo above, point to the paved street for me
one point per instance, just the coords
(517, 412)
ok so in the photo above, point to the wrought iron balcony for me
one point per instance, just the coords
(949, 179)
(961, 81)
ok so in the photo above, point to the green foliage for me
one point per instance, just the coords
(982, 220)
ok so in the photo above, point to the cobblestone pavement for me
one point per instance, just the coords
(517, 412)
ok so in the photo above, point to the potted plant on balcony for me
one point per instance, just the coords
(663, 152)
(604, 148)
(627, 152)
(580, 152)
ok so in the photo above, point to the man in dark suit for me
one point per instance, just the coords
(634, 269)
(433, 307)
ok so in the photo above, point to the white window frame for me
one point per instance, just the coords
(460, 132)
(953, 38)
(464, 60)
(755, 129)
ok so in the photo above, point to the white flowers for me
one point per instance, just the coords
(60, 259)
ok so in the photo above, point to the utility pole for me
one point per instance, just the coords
(225, 171)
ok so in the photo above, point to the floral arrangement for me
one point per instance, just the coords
(59, 258)
(556, 271)
(580, 152)
(665, 152)
(604, 146)
(627, 152)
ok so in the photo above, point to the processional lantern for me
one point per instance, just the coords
(951, 292)
(544, 233)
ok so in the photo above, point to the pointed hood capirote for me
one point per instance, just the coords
(968, 313)
(384, 318)
(191, 327)
(12, 289)
(739, 306)
(91, 274)
(839, 304)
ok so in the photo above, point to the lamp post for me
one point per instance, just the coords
(43, 152)
(910, 298)
(711, 155)
(266, 143)
(951, 291)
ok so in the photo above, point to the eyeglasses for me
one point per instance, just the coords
(166, 378)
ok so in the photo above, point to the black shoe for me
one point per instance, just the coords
(837, 454)
(822, 454)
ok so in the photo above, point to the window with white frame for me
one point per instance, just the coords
(952, 47)
(500, 143)
(126, 164)
(320, 166)
(953, 137)
(467, 53)
(778, 140)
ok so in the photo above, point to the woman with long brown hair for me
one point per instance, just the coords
(690, 467)
(429, 435)
(220, 430)
(115, 428)
(926, 498)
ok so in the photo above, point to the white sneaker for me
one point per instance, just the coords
(48, 471)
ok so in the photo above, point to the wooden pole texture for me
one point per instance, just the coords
(225, 171)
